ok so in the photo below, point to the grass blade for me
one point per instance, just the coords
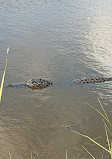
(10, 156)
(111, 149)
(107, 135)
(88, 152)
(31, 154)
(102, 155)
(103, 109)
(100, 113)
(109, 145)
(35, 151)
(66, 155)
(2, 83)
(92, 141)
(104, 140)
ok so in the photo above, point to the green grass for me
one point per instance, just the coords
(3, 77)
(108, 129)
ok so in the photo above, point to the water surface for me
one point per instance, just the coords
(58, 41)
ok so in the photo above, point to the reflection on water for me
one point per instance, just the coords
(58, 41)
(99, 37)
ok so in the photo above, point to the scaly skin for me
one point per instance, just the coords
(38, 83)
(94, 80)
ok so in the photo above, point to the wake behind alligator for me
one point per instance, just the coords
(93, 80)
(33, 84)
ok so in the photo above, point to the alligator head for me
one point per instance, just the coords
(38, 83)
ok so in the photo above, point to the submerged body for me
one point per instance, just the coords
(94, 80)
(33, 84)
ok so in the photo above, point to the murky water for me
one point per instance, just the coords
(58, 41)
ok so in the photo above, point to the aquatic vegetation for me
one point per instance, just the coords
(3, 77)
(10, 156)
(34, 151)
(107, 132)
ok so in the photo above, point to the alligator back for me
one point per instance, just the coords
(93, 80)
(33, 84)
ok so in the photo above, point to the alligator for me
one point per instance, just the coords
(93, 80)
(41, 83)
(33, 84)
